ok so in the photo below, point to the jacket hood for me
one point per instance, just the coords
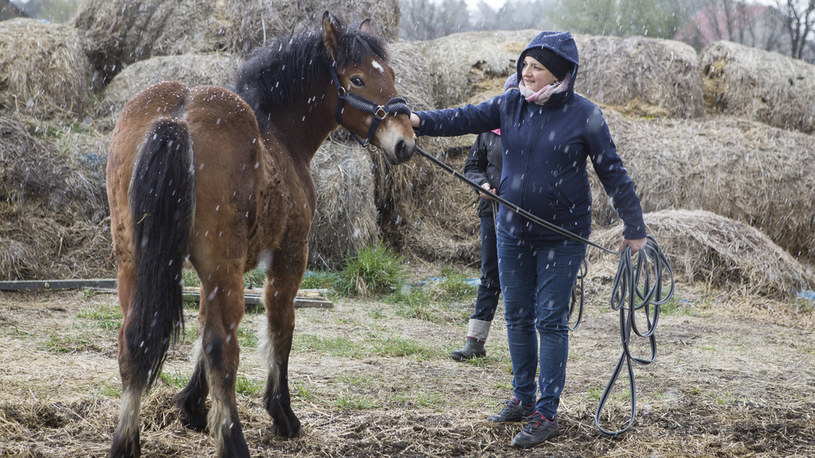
(561, 43)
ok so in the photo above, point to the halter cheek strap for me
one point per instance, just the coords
(394, 106)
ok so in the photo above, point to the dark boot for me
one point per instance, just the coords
(473, 348)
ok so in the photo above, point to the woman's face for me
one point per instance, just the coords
(535, 75)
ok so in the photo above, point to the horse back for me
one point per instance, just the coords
(227, 157)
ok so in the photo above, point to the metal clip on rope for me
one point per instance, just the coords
(634, 288)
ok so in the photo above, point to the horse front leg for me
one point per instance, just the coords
(282, 282)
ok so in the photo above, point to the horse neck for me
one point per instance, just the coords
(304, 125)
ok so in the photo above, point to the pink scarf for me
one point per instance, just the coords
(543, 95)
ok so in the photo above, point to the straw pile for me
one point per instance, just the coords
(43, 70)
(191, 69)
(642, 75)
(346, 216)
(722, 253)
(121, 32)
(744, 170)
(760, 85)
(460, 61)
(384, 14)
(54, 213)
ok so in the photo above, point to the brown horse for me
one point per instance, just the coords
(223, 179)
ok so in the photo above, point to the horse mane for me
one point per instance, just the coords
(281, 73)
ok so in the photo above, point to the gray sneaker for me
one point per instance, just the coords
(537, 431)
(513, 411)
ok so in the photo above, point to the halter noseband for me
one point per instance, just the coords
(393, 107)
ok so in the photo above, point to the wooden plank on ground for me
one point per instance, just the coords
(313, 298)
(20, 285)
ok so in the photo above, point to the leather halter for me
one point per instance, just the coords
(394, 106)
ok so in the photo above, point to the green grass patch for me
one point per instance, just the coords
(355, 402)
(176, 379)
(373, 271)
(107, 316)
(247, 386)
(319, 280)
(62, 344)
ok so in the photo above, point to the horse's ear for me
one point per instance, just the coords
(331, 35)
(367, 27)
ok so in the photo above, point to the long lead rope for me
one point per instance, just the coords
(634, 289)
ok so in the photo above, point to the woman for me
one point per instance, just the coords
(547, 132)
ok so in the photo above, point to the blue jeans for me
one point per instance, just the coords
(536, 280)
(487, 300)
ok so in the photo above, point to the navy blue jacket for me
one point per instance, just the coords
(545, 148)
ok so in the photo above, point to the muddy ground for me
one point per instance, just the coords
(734, 376)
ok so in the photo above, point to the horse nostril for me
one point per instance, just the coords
(401, 149)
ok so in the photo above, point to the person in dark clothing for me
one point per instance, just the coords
(548, 133)
(483, 166)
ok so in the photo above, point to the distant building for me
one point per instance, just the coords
(9, 10)
(758, 26)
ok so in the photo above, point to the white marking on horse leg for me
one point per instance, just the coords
(197, 347)
(129, 407)
(267, 352)
(220, 423)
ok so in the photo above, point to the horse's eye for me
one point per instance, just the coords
(357, 81)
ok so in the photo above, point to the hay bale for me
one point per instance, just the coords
(642, 75)
(43, 70)
(54, 213)
(740, 169)
(191, 69)
(121, 32)
(720, 252)
(425, 212)
(384, 14)
(460, 61)
(760, 85)
(346, 215)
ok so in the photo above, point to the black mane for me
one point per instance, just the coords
(281, 73)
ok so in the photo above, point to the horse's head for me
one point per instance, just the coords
(368, 105)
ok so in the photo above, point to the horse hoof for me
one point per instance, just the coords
(288, 428)
(125, 447)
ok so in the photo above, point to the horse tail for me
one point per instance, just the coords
(162, 203)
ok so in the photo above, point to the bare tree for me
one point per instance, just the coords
(800, 22)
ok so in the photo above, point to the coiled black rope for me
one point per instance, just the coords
(634, 289)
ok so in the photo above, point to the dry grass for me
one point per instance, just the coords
(159, 28)
(643, 75)
(43, 70)
(346, 216)
(733, 376)
(54, 211)
(191, 69)
(740, 169)
(460, 61)
(760, 85)
(722, 253)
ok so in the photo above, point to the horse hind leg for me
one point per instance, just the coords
(191, 401)
(160, 205)
(219, 359)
